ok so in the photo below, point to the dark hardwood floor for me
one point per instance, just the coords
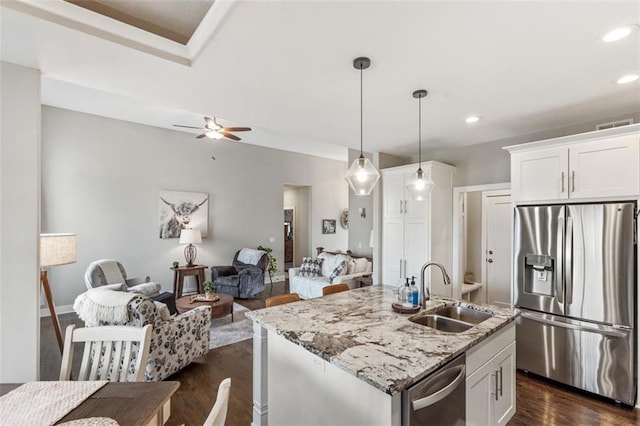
(539, 402)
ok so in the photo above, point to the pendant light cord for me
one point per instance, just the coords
(420, 133)
(361, 154)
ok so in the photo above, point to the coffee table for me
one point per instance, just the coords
(220, 308)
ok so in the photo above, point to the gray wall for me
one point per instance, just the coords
(489, 163)
(101, 179)
(19, 223)
(359, 227)
(300, 199)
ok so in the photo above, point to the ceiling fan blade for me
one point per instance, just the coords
(230, 136)
(236, 129)
(200, 136)
(187, 127)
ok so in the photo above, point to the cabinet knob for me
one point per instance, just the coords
(490, 260)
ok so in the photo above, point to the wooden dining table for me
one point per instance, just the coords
(132, 403)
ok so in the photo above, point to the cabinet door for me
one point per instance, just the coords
(480, 396)
(416, 250)
(392, 250)
(605, 168)
(505, 406)
(539, 175)
(393, 194)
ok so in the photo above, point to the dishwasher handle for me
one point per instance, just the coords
(435, 397)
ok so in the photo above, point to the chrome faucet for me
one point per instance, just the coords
(426, 292)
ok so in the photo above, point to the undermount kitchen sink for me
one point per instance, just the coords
(441, 323)
(460, 313)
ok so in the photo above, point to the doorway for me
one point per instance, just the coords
(288, 237)
(482, 239)
(296, 231)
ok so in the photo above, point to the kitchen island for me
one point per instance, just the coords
(348, 357)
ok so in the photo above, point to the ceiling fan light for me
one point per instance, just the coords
(420, 185)
(362, 176)
(213, 135)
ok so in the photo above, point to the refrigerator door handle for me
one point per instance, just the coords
(560, 264)
(568, 260)
(558, 323)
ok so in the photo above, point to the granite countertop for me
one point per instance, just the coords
(358, 332)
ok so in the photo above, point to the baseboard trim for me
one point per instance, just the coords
(276, 279)
(63, 309)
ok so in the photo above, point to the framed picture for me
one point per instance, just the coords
(182, 210)
(328, 226)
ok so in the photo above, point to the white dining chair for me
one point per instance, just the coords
(108, 352)
(218, 413)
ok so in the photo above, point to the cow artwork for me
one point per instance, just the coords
(181, 210)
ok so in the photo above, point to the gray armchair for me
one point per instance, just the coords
(245, 277)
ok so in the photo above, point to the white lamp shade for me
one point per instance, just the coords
(362, 176)
(190, 236)
(420, 185)
(57, 249)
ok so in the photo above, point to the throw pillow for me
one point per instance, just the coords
(362, 265)
(310, 267)
(338, 270)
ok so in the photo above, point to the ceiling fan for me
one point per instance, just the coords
(214, 130)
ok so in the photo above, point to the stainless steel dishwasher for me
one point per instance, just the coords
(438, 399)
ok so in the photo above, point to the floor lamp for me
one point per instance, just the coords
(55, 249)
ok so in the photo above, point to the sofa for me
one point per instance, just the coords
(310, 287)
(245, 276)
(175, 340)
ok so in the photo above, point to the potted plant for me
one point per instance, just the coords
(273, 263)
(175, 265)
(209, 288)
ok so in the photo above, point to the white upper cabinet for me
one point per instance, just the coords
(597, 167)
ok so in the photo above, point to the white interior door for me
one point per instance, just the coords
(497, 230)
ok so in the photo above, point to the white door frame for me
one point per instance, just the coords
(485, 200)
(459, 249)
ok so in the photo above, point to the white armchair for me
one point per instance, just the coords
(310, 287)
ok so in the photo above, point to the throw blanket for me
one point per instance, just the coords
(250, 256)
(99, 305)
(112, 272)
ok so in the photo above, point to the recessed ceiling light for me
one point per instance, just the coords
(627, 79)
(618, 33)
(472, 119)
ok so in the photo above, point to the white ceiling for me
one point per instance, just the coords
(285, 68)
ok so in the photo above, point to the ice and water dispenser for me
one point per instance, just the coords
(539, 274)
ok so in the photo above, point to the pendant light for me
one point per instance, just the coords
(420, 184)
(362, 175)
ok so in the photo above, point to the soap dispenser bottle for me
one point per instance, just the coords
(414, 292)
(406, 295)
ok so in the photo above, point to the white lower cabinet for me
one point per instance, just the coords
(490, 388)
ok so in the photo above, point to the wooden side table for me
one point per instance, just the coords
(181, 272)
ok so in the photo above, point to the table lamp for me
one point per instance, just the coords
(55, 249)
(190, 237)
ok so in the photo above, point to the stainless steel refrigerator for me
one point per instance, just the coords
(575, 284)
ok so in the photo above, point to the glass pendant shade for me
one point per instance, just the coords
(420, 185)
(362, 176)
